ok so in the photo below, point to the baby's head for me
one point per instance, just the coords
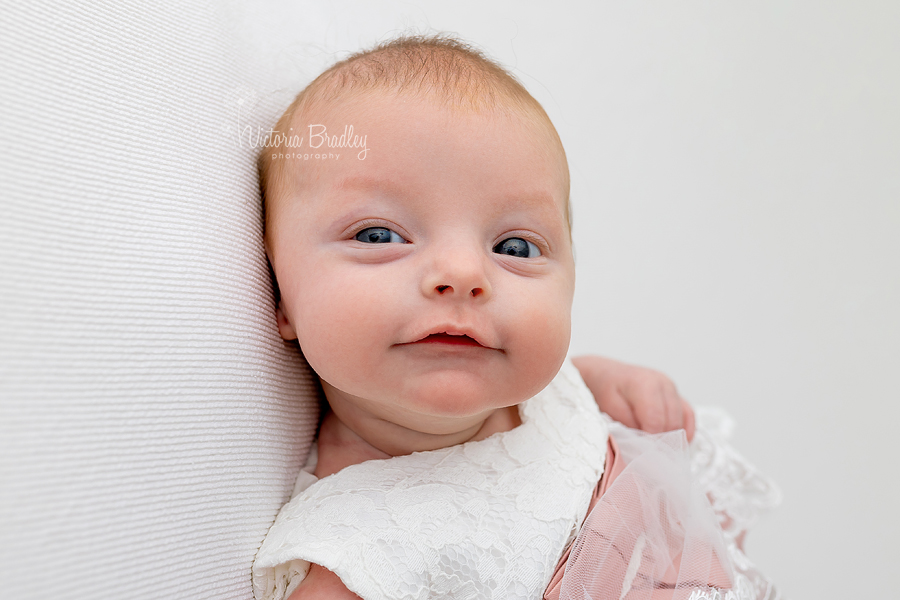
(427, 271)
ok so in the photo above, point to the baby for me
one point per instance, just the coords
(418, 226)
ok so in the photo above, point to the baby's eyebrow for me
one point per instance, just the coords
(366, 182)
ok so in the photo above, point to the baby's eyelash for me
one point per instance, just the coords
(370, 223)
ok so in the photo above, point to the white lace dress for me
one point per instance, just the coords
(491, 519)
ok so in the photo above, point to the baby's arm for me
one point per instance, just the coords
(635, 396)
(322, 584)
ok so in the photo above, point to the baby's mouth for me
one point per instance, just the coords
(446, 338)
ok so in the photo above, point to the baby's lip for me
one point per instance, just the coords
(454, 336)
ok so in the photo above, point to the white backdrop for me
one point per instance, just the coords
(735, 183)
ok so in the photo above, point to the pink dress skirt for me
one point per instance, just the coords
(663, 524)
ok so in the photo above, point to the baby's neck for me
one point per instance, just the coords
(341, 445)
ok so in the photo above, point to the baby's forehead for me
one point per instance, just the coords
(381, 105)
(359, 117)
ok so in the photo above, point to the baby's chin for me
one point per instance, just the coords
(461, 395)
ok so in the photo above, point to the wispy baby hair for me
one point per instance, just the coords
(441, 67)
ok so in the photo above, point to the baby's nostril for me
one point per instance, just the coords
(441, 288)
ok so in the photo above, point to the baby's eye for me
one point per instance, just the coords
(379, 235)
(517, 247)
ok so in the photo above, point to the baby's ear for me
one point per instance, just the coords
(284, 325)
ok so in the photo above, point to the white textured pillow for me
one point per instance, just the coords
(152, 422)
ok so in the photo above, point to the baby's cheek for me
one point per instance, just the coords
(541, 342)
(342, 323)
(547, 319)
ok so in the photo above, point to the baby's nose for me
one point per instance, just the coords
(462, 275)
(442, 289)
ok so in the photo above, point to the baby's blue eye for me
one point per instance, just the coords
(379, 235)
(517, 247)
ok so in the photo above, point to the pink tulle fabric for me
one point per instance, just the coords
(652, 532)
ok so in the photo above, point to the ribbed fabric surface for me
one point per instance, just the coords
(152, 422)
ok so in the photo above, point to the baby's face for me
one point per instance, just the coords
(432, 282)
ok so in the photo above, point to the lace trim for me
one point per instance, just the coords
(739, 494)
